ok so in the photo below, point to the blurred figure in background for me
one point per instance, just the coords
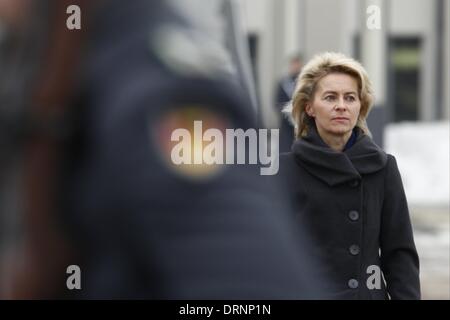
(98, 187)
(285, 89)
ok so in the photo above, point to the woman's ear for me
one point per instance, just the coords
(309, 110)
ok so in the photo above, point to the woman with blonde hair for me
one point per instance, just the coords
(346, 190)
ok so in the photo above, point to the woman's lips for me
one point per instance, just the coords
(340, 119)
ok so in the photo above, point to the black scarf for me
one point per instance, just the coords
(333, 167)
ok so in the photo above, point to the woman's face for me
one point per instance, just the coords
(335, 105)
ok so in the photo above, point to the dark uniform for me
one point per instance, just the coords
(285, 90)
(142, 227)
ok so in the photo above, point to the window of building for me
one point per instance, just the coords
(404, 56)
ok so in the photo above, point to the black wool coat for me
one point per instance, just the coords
(354, 206)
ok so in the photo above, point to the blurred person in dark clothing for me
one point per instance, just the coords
(285, 89)
(286, 85)
(103, 193)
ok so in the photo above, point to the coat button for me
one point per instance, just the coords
(353, 215)
(354, 183)
(353, 283)
(354, 249)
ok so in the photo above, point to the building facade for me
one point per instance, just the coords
(407, 57)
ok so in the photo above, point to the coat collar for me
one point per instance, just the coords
(334, 167)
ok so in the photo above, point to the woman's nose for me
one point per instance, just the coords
(340, 104)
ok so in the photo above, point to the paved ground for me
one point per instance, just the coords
(432, 236)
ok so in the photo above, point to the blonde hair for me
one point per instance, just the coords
(317, 68)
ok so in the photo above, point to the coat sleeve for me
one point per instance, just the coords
(399, 259)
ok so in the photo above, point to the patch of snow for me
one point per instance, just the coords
(423, 158)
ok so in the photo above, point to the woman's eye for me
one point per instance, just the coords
(329, 98)
(351, 98)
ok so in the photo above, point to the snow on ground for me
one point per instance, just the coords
(423, 157)
(422, 153)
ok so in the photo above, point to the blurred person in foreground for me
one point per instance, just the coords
(100, 191)
(347, 191)
(285, 89)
